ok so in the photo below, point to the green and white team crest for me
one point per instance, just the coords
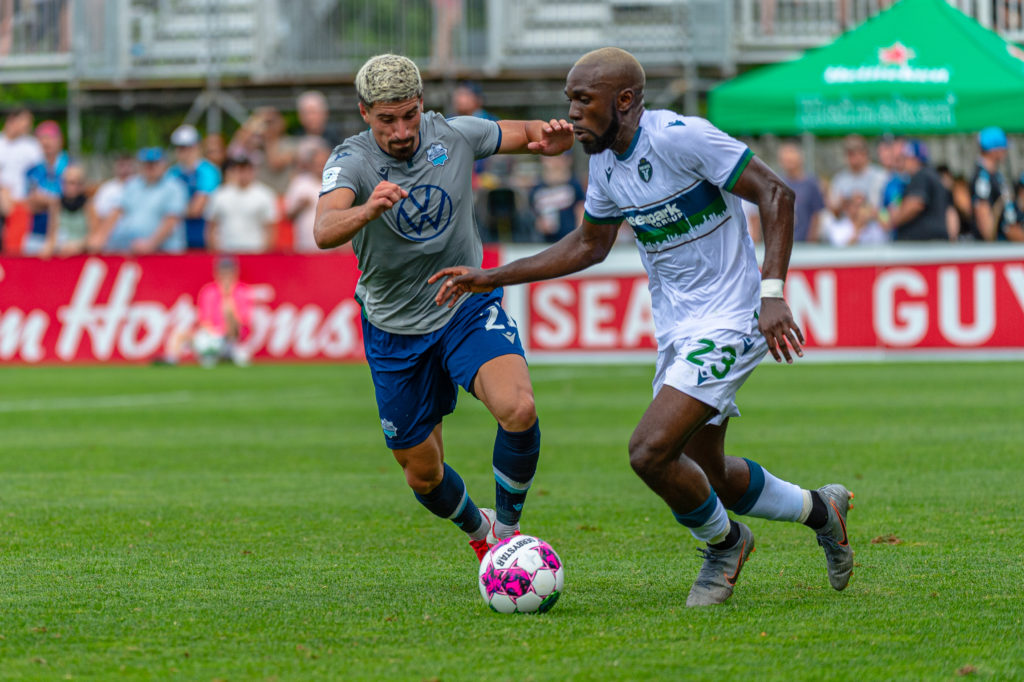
(645, 169)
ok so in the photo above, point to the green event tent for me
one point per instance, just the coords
(920, 67)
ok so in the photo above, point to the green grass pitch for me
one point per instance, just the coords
(184, 524)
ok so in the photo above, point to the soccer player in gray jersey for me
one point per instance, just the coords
(677, 180)
(401, 192)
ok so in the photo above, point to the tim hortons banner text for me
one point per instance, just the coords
(935, 301)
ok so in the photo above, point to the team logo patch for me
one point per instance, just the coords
(437, 154)
(389, 429)
(425, 214)
(330, 177)
(645, 170)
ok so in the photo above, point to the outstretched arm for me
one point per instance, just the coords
(581, 248)
(337, 220)
(774, 201)
(549, 138)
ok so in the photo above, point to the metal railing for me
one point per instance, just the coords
(766, 28)
(267, 40)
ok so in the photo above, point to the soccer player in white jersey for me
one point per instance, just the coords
(678, 181)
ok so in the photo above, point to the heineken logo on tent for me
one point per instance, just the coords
(896, 54)
(893, 67)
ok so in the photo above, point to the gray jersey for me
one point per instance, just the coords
(432, 228)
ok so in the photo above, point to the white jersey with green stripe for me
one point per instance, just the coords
(673, 187)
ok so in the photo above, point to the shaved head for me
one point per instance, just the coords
(615, 68)
(605, 89)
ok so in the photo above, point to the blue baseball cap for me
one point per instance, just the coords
(991, 138)
(916, 149)
(150, 154)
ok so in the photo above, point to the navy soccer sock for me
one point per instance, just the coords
(451, 501)
(515, 463)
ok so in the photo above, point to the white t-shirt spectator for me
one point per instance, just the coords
(304, 187)
(870, 183)
(108, 198)
(842, 231)
(244, 217)
(16, 157)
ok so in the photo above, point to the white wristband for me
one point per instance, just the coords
(771, 288)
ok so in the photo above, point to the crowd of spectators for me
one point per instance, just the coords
(903, 197)
(257, 191)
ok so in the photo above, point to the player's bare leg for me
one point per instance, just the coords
(656, 453)
(441, 490)
(746, 488)
(503, 386)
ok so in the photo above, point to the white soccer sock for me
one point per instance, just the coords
(716, 528)
(781, 501)
(481, 532)
(502, 531)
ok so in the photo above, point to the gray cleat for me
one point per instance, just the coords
(833, 538)
(721, 568)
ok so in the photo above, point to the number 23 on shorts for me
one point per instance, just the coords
(726, 357)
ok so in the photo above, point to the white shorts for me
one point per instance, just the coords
(711, 367)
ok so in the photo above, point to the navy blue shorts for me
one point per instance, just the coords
(416, 377)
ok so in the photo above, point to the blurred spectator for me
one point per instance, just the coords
(955, 216)
(859, 177)
(108, 197)
(447, 16)
(43, 183)
(150, 216)
(468, 100)
(200, 178)
(890, 152)
(215, 150)
(19, 151)
(557, 200)
(768, 16)
(961, 193)
(856, 223)
(225, 310)
(304, 190)
(995, 215)
(809, 200)
(922, 213)
(892, 157)
(242, 212)
(262, 139)
(314, 117)
(69, 221)
(1019, 194)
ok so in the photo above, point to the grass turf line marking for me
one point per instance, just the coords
(96, 402)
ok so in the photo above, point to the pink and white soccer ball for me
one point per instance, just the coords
(521, 574)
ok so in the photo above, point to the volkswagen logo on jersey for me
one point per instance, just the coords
(645, 170)
(437, 154)
(425, 214)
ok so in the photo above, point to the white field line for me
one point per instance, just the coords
(95, 402)
(114, 402)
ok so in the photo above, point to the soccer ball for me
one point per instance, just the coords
(521, 574)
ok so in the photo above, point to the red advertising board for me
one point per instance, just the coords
(928, 300)
(125, 309)
(858, 303)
